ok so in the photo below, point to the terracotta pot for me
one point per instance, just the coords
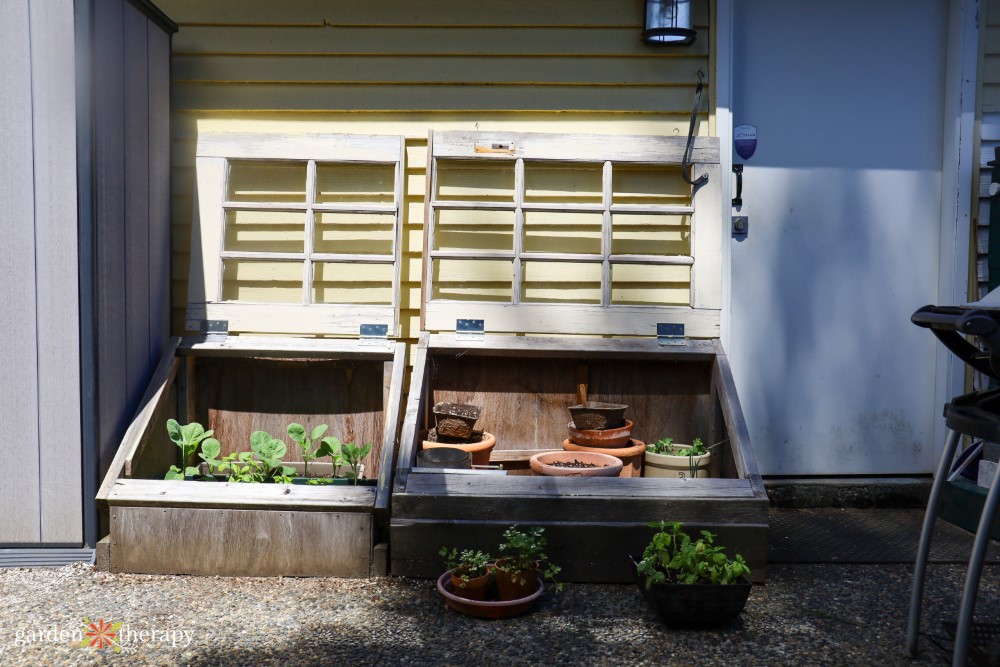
(476, 588)
(597, 416)
(665, 465)
(630, 456)
(517, 584)
(480, 450)
(486, 608)
(541, 464)
(612, 437)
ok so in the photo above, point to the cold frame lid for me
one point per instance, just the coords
(296, 234)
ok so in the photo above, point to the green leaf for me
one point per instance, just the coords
(193, 432)
(288, 471)
(258, 438)
(329, 447)
(174, 431)
(174, 473)
(296, 432)
(319, 431)
(211, 448)
(191, 470)
(364, 452)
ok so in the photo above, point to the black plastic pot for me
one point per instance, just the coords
(593, 416)
(444, 457)
(694, 605)
(455, 420)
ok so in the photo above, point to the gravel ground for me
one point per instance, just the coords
(805, 615)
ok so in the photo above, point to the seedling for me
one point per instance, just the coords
(353, 455)
(524, 553)
(187, 438)
(328, 446)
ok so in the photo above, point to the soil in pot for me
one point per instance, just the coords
(455, 420)
(594, 416)
(631, 456)
(606, 466)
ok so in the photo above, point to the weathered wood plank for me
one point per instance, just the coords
(56, 259)
(579, 487)
(591, 551)
(596, 348)
(575, 147)
(706, 244)
(736, 425)
(394, 402)
(276, 318)
(246, 346)
(413, 417)
(338, 147)
(246, 543)
(571, 319)
(164, 494)
(18, 367)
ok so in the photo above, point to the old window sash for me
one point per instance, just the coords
(216, 155)
(701, 315)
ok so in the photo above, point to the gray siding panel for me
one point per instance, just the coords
(18, 366)
(54, 110)
(159, 192)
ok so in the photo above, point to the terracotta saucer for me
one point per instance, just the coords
(486, 608)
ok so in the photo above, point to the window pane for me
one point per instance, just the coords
(641, 184)
(352, 283)
(473, 279)
(641, 234)
(459, 180)
(265, 231)
(561, 282)
(370, 183)
(550, 231)
(358, 233)
(555, 183)
(262, 282)
(260, 181)
(474, 230)
(647, 285)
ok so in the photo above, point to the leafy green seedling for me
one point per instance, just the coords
(327, 447)
(673, 557)
(187, 438)
(269, 451)
(353, 455)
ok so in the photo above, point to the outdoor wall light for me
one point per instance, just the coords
(668, 22)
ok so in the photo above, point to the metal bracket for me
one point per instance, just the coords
(374, 334)
(215, 331)
(470, 330)
(668, 333)
(741, 225)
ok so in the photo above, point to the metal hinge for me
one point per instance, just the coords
(470, 329)
(375, 334)
(215, 331)
(668, 333)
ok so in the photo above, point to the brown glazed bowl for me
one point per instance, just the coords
(606, 438)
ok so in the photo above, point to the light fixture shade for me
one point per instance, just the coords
(668, 22)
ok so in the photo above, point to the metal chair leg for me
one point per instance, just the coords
(974, 573)
(920, 570)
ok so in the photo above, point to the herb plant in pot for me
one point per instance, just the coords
(471, 572)
(522, 563)
(691, 583)
(665, 459)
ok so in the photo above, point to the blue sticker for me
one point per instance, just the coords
(745, 138)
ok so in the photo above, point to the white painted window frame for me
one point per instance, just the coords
(700, 318)
(215, 153)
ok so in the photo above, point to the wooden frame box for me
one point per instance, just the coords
(567, 235)
(293, 234)
(525, 386)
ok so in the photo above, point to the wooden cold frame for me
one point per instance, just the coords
(206, 298)
(700, 316)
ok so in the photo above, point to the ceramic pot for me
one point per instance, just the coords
(480, 450)
(517, 584)
(695, 605)
(455, 420)
(541, 464)
(486, 608)
(595, 416)
(665, 465)
(631, 456)
(607, 438)
(476, 588)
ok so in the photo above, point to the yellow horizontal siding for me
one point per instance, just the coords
(403, 67)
